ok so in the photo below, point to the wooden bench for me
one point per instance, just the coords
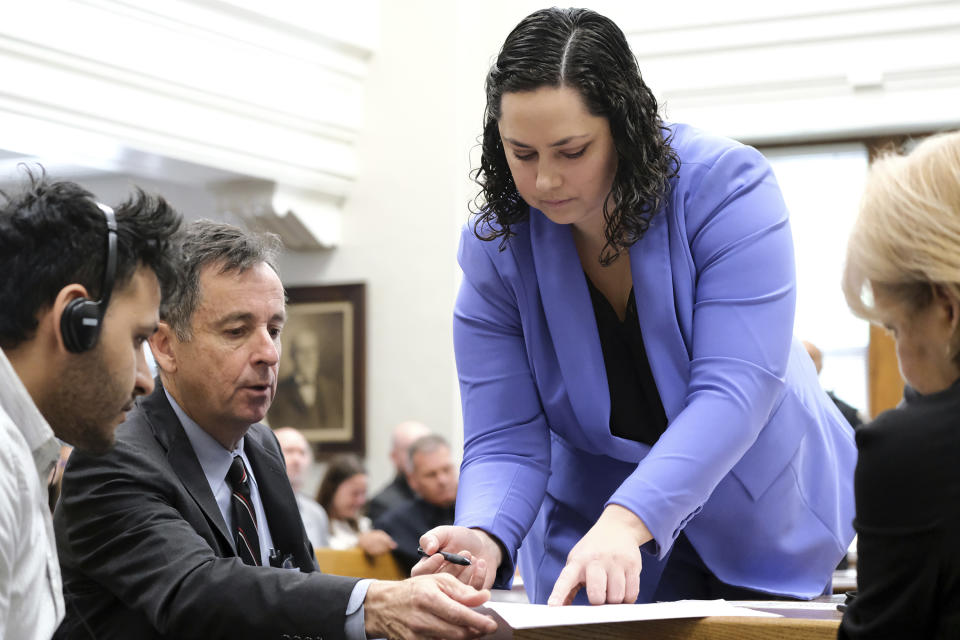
(357, 564)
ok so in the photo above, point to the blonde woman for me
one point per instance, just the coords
(903, 272)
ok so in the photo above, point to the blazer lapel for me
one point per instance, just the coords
(279, 503)
(572, 324)
(169, 432)
(654, 294)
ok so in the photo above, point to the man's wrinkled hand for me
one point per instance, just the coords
(430, 606)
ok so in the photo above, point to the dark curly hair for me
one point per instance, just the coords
(584, 50)
(52, 234)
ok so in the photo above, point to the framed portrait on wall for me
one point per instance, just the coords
(320, 386)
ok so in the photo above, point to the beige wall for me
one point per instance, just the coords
(379, 108)
(398, 227)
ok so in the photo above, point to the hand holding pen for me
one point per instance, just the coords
(449, 557)
(474, 563)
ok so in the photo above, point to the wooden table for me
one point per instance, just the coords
(799, 624)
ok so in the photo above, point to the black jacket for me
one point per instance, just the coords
(145, 552)
(407, 521)
(907, 487)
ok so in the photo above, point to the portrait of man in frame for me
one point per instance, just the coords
(321, 367)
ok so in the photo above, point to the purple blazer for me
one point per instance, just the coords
(756, 464)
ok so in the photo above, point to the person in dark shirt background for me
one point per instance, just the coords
(433, 477)
(850, 413)
(399, 489)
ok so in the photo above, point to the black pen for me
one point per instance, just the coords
(449, 557)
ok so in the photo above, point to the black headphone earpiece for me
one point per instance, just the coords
(81, 319)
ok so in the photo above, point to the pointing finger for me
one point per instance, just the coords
(567, 585)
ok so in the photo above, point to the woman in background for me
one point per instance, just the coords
(903, 272)
(635, 407)
(343, 494)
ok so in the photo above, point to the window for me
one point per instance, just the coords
(822, 185)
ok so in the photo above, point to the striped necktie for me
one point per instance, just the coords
(245, 533)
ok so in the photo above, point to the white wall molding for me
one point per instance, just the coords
(273, 92)
(847, 67)
(800, 26)
(305, 220)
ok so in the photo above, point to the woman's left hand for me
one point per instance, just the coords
(607, 560)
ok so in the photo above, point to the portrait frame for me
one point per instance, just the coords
(321, 387)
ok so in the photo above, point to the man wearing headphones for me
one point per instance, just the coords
(80, 290)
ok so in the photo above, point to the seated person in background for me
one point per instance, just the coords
(399, 489)
(342, 493)
(298, 457)
(181, 530)
(850, 413)
(433, 477)
(903, 272)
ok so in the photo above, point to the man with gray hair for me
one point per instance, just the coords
(433, 478)
(189, 527)
(398, 490)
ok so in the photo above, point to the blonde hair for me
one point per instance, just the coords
(906, 239)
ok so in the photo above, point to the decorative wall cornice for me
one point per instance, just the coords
(273, 94)
(776, 72)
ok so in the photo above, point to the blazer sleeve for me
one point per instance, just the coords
(506, 437)
(120, 523)
(735, 224)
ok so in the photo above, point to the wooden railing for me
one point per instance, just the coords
(356, 563)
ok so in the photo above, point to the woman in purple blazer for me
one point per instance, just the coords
(638, 418)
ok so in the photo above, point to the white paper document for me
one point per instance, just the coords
(795, 605)
(526, 616)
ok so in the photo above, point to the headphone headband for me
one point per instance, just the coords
(110, 270)
(81, 320)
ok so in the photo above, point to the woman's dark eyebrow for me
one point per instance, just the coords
(558, 143)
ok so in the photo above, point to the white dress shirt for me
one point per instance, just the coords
(31, 598)
(343, 536)
(315, 521)
(215, 461)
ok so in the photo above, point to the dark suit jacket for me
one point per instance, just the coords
(145, 552)
(393, 494)
(407, 521)
(849, 412)
(907, 487)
